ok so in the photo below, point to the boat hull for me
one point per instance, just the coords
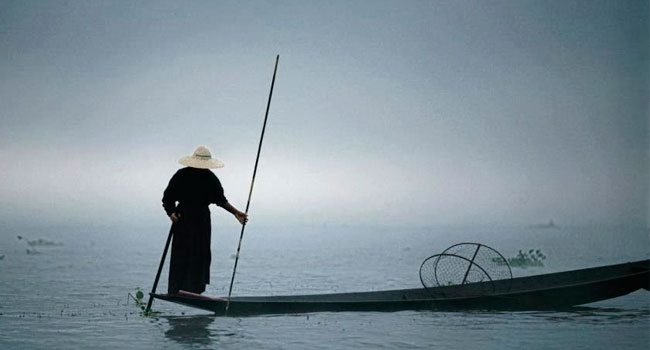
(541, 292)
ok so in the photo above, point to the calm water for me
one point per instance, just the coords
(74, 295)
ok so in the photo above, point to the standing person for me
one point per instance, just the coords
(185, 200)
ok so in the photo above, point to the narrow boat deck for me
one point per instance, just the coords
(547, 291)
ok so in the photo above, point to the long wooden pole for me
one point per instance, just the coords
(162, 262)
(250, 192)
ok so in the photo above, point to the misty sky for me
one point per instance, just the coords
(401, 112)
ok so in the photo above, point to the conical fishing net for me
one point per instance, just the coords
(491, 261)
(463, 264)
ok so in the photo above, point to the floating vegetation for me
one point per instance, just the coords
(31, 244)
(150, 312)
(137, 297)
(2, 257)
(39, 242)
(532, 258)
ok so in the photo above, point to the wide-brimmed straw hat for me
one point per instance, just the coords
(202, 159)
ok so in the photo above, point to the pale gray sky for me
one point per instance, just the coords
(387, 112)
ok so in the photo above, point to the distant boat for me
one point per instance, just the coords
(549, 224)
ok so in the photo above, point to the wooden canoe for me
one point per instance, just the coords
(541, 292)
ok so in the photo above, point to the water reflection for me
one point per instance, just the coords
(191, 330)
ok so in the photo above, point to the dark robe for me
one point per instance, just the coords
(194, 189)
